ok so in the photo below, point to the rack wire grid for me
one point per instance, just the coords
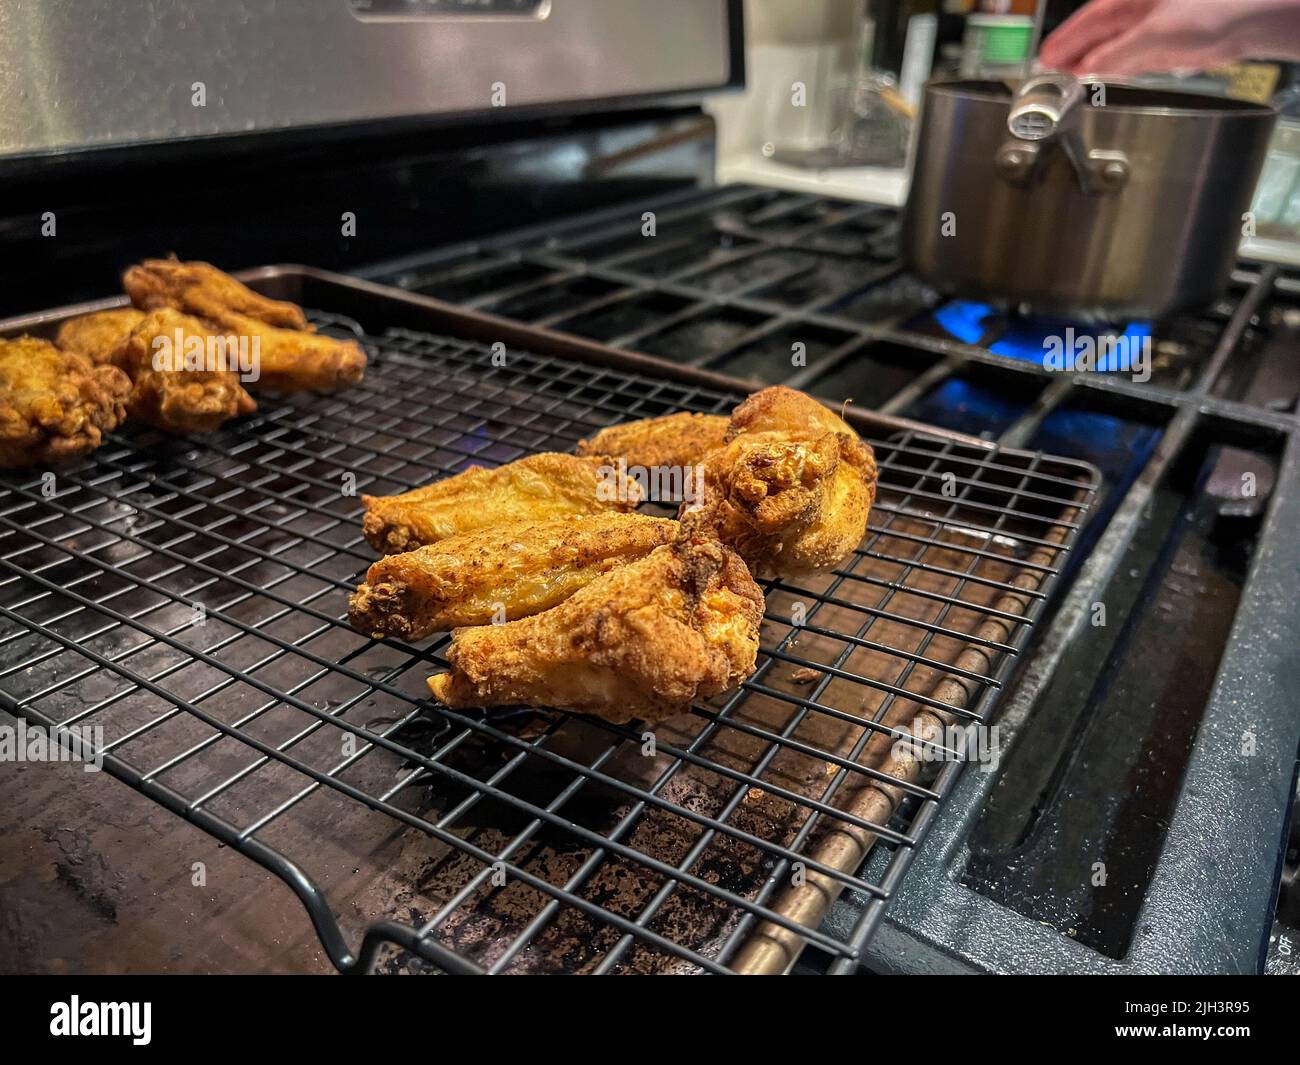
(189, 597)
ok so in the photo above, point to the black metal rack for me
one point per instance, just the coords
(734, 274)
(188, 596)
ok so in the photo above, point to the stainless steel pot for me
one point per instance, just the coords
(1087, 200)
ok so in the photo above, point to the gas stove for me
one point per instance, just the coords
(1085, 851)
(1137, 817)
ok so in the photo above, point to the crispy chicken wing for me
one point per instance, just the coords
(497, 574)
(791, 489)
(546, 485)
(294, 361)
(54, 404)
(292, 356)
(643, 641)
(203, 290)
(674, 440)
(167, 356)
(98, 335)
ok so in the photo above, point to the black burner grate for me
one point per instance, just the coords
(732, 277)
(189, 598)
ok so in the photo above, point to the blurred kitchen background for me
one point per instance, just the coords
(833, 88)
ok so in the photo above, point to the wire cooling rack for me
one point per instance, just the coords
(188, 596)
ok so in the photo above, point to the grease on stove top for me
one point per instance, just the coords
(1074, 828)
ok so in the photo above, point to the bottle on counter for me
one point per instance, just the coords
(997, 43)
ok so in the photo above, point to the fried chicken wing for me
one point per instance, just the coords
(174, 363)
(500, 573)
(97, 336)
(293, 361)
(673, 440)
(792, 487)
(643, 641)
(203, 290)
(291, 355)
(535, 488)
(54, 404)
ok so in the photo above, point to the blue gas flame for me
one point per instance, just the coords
(1025, 338)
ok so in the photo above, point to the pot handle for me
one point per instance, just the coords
(1044, 111)
(1043, 105)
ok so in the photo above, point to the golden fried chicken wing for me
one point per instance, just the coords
(294, 361)
(291, 355)
(54, 404)
(499, 573)
(673, 440)
(178, 383)
(538, 487)
(203, 290)
(645, 640)
(97, 336)
(792, 487)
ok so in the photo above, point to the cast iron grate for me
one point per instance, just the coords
(734, 276)
(188, 596)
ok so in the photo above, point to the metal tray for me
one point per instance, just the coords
(547, 842)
